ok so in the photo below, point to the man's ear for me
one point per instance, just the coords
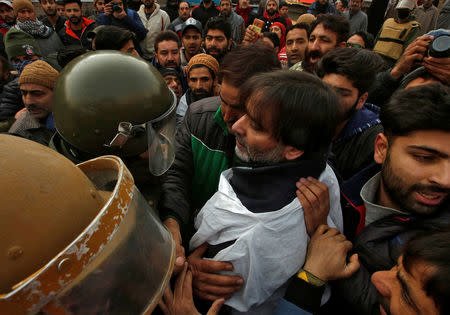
(362, 99)
(381, 148)
(156, 57)
(342, 44)
(291, 153)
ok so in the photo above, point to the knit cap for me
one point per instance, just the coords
(39, 72)
(276, 1)
(18, 43)
(204, 59)
(21, 4)
(307, 18)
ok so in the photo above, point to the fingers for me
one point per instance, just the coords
(187, 285)
(198, 265)
(209, 296)
(199, 251)
(179, 285)
(215, 308)
(166, 300)
(212, 286)
(219, 280)
(352, 266)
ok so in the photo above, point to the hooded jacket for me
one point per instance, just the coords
(157, 22)
(237, 26)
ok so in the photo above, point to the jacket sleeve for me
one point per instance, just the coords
(135, 25)
(12, 100)
(304, 295)
(103, 19)
(176, 184)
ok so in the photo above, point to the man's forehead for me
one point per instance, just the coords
(320, 30)
(428, 140)
(297, 33)
(215, 33)
(168, 44)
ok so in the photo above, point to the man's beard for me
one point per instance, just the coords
(50, 13)
(307, 65)
(198, 94)
(149, 5)
(217, 53)
(75, 20)
(207, 1)
(171, 65)
(272, 156)
(402, 195)
(271, 12)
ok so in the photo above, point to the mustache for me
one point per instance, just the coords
(200, 91)
(314, 54)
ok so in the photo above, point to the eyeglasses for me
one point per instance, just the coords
(353, 45)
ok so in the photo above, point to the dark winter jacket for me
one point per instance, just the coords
(28, 127)
(11, 102)
(202, 14)
(316, 8)
(68, 37)
(131, 22)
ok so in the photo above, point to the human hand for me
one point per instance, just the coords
(181, 300)
(108, 9)
(207, 284)
(414, 53)
(438, 67)
(326, 257)
(315, 200)
(174, 228)
(250, 36)
(120, 15)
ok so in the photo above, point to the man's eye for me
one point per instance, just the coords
(423, 158)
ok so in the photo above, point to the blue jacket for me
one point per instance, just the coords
(316, 8)
(131, 22)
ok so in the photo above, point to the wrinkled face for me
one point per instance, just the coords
(201, 82)
(229, 104)
(225, 8)
(355, 5)
(26, 14)
(401, 291)
(192, 41)
(243, 4)
(271, 7)
(73, 12)
(49, 7)
(296, 43)
(284, 11)
(100, 6)
(276, 30)
(168, 55)
(7, 14)
(415, 174)
(254, 139)
(60, 10)
(349, 98)
(129, 48)
(184, 11)
(356, 41)
(321, 41)
(173, 82)
(37, 99)
(216, 44)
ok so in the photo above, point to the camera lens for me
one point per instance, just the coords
(440, 47)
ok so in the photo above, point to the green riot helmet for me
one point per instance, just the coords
(109, 102)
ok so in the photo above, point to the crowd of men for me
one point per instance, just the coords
(311, 162)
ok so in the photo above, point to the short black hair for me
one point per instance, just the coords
(273, 38)
(112, 37)
(166, 35)
(68, 53)
(302, 108)
(358, 65)
(425, 107)
(199, 65)
(368, 39)
(189, 5)
(244, 61)
(283, 4)
(432, 249)
(218, 23)
(301, 26)
(333, 22)
(73, 1)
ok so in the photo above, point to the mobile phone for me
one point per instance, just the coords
(258, 25)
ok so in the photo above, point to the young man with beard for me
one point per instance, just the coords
(155, 21)
(217, 38)
(202, 72)
(244, 9)
(410, 194)
(326, 33)
(77, 27)
(7, 16)
(184, 12)
(51, 19)
(191, 37)
(356, 18)
(205, 11)
(255, 219)
(351, 72)
(26, 21)
(235, 20)
(296, 43)
(205, 148)
(271, 15)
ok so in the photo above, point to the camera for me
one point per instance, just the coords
(440, 46)
(115, 6)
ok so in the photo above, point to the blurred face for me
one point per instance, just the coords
(355, 5)
(229, 105)
(243, 4)
(216, 44)
(100, 6)
(37, 99)
(26, 14)
(276, 30)
(415, 173)
(201, 82)
(73, 13)
(225, 8)
(23, 58)
(184, 11)
(296, 43)
(129, 48)
(60, 10)
(168, 55)
(254, 139)
(356, 41)
(427, 3)
(323, 2)
(284, 10)
(321, 41)
(7, 14)
(173, 82)
(49, 7)
(271, 8)
(402, 292)
(192, 41)
(148, 3)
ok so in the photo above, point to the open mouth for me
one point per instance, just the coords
(430, 197)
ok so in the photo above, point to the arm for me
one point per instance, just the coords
(103, 19)
(166, 20)
(135, 25)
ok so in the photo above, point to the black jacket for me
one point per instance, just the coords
(11, 102)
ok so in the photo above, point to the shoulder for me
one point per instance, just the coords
(206, 105)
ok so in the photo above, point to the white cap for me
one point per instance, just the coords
(406, 4)
(8, 3)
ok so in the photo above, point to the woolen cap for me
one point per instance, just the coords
(21, 4)
(18, 43)
(204, 59)
(39, 72)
